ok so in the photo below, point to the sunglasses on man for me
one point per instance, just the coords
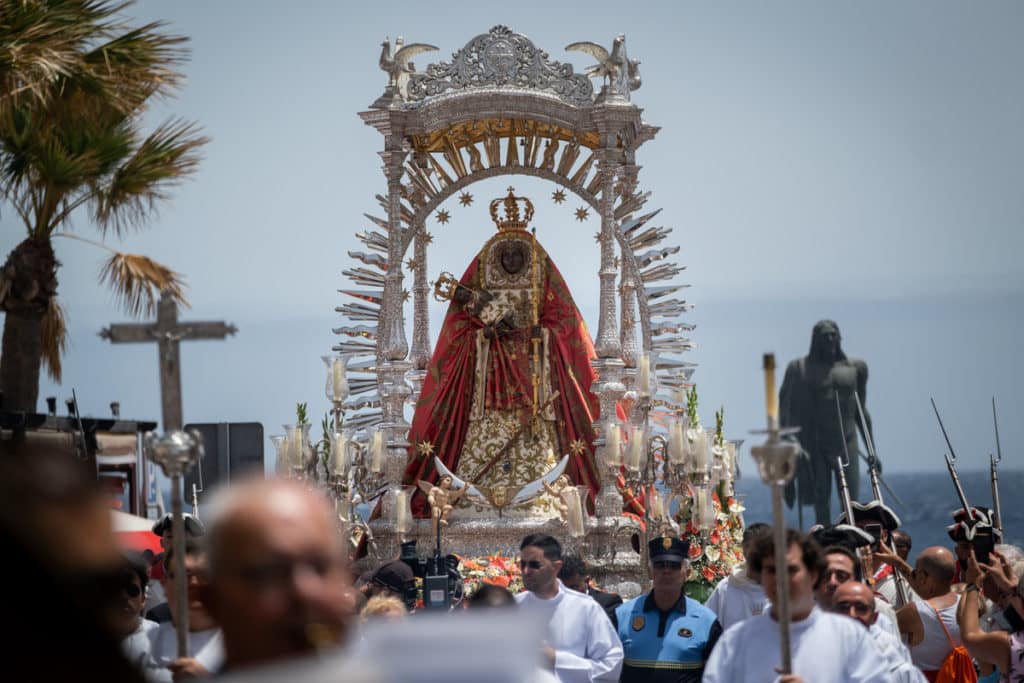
(532, 564)
(858, 607)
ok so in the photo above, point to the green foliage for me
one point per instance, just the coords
(719, 421)
(301, 414)
(691, 407)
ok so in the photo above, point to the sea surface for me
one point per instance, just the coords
(928, 499)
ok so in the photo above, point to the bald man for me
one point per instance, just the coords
(919, 621)
(854, 599)
(279, 582)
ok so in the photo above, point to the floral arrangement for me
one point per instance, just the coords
(712, 558)
(497, 569)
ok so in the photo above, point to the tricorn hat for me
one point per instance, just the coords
(875, 511)
(193, 525)
(845, 535)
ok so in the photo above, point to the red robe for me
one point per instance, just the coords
(442, 411)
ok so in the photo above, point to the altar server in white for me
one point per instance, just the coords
(582, 644)
(826, 648)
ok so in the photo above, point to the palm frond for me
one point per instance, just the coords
(162, 160)
(137, 64)
(137, 282)
(54, 338)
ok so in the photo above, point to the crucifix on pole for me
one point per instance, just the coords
(168, 332)
(175, 451)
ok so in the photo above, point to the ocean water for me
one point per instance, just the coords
(928, 499)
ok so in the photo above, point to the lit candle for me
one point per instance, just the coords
(402, 512)
(771, 398)
(377, 452)
(676, 448)
(571, 496)
(611, 444)
(339, 449)
(636, 449)
(338, 379)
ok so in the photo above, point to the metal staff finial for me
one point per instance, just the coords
(776, 463)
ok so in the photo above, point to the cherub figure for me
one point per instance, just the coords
(557, 493)
(442, 499)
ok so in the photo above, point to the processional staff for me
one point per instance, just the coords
(176, 451)
(776, 462)
(951, 466)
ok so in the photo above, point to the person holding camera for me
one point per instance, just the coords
(1004, 650)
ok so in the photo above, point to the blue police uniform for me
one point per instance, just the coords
(663, 647)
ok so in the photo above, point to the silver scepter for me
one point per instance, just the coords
(776, 463)
(176, 452)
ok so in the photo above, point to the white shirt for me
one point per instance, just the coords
(892, 650)
(736, 598)
(136, 645)
(825, 648)
(586, 646)
(206, 647)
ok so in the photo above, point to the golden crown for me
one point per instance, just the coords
(515, 218)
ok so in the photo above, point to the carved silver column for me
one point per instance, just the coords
(627, 333)
(420, 355)
(607, 343)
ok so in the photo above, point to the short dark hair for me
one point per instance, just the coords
(900, 532)
(491, 595)
(135, 563)
(550, 546)
(834, 549)
(572, 565)
(810, 552)
(755, 531)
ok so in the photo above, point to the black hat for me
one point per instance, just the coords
(875, 511)
(193, 525)
(841, 534)
(964, 527)
(394, 575)
(668, 549)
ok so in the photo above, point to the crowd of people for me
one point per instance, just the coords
(270, 581)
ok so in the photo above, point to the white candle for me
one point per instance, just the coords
(657, 509)
(699, 509)
(611, 445)
(729, 461)
(338, 379)
(296, 447)
(676, 447)
(636, 449)
(402, 512)
(339, 450)
(698, 440)
(377, 452)
(643, 380)
(571, 497)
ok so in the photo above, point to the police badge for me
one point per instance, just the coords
(638, 622)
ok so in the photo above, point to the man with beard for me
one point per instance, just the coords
(807, 400)
(582, 644)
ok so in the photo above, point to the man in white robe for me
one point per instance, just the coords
(740, 596)
(582, 644)
(825, 648)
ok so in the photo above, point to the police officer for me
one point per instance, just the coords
(666, 635)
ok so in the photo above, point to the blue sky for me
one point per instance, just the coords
(858, 161)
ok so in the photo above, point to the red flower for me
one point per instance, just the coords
(708, 574)
(695, 551)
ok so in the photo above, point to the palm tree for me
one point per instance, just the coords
(75, 82)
